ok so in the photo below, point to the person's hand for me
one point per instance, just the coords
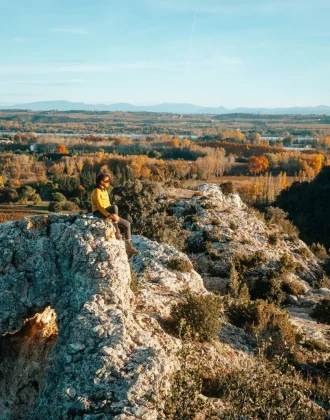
(114, 217)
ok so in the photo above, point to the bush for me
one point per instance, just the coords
(293, 287)
(265, 321)
(264, 392)
(180, 264)
(55, 206)
(198, 314)
(58, 197)
(322, 311)
(184, 402)
(317, 345)
(213, 235)
(227, 187)
(244, 262)
(287, 264)
(163, 228)
(36, 199)
(233, 226)
(319, 251)
(134, 285)
(268, 288)
(275, 215)
(273, 238)
(70, 206)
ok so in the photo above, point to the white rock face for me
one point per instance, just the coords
(235, 230)
(109, 361)
(113, 357)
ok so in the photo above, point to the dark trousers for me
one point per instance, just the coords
(123, 225)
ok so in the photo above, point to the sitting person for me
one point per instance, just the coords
(102, 208)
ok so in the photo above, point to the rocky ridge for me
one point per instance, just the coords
(92, 348)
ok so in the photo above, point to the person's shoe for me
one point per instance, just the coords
(130, 249)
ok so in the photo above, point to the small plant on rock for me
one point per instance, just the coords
(273, 238)
(293, 287)
(199, 314)
(265, 321)
(180, 264)
(233, 226)
(322, 311)
(287, 264)
(268, 288)
(319, 251)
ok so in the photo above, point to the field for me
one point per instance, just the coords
(162, 123)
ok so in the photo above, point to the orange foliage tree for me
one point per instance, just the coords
(61, 149)
(257, 164)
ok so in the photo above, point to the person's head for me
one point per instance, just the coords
(103, 180)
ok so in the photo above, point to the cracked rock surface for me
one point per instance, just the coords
(108, 361)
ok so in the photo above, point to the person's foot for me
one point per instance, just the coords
(130, 249)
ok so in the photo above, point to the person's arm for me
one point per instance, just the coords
(98, 202)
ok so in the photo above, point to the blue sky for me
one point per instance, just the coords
(206, 52)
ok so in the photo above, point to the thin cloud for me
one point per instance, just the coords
(240, 7)
(107, 68)
(19, 40)
(54, 83)
(71, 31)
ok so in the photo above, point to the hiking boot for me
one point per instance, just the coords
(130, 249)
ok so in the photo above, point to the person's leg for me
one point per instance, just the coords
(114, 210)
(125, 226)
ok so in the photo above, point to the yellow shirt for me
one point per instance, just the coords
(100, 201)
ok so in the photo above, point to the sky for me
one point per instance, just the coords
(232, 53)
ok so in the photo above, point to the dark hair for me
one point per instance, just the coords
(100, 178)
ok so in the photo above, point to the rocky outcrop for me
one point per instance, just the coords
(227, 227)
(76, 342)
(109, 360)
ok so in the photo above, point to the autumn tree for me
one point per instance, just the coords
(257, 164)
(61, 149)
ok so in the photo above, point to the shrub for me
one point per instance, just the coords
(265, 321)
(233, 226)
(287, 264)
(200, 314)
(58, 197)
(268, 288)
(244, 262)
(36, 199)
(273, 238)
(318, 345)
(293, 287)
(55, 206)
(69, 205)
(161, 227)
(227, 187)
(213, 235)
(278, 216)
(215, 222)
(322, 281)
(180, 264)
(322, 311)
(184, 402)
(134, 283)
(319, 251)
(264, 392)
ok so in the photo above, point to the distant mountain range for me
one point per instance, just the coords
(165, 107)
